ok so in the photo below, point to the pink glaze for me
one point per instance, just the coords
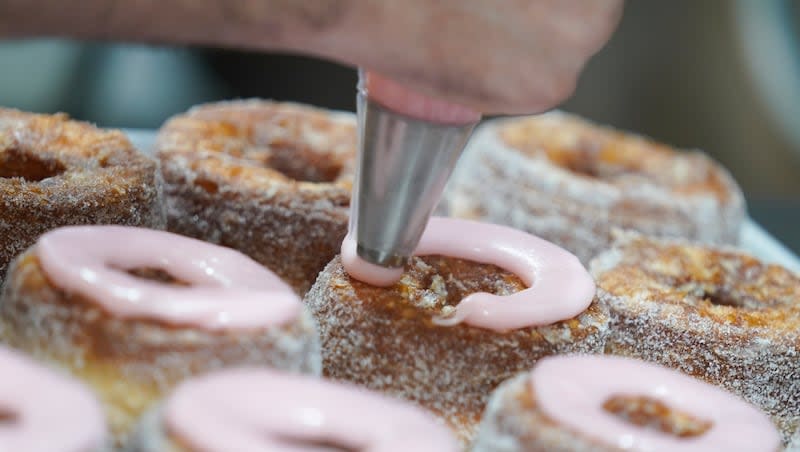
(227, 289)
(572, 391)
(396, 97)
(50, 412)
(366, 271)
(559, 287)
(258, 409)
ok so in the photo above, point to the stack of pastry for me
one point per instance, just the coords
(717, 314)
(197, 339)
(612, 404)
(572, 182)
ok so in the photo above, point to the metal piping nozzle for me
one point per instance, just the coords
(404, 164)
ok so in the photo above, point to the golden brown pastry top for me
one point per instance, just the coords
(614, 157)
(47, 153)
(255, 141)
(721, 285)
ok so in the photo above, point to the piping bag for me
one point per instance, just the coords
(408, 146)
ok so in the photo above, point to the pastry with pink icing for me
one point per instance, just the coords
(42, 410)
(270, 179)
(252, 409)
(615, 404)
(134, 311)
(718, 314)
(571, 182)
(478, 304)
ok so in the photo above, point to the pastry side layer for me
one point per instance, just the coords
(387, 339)
(269, 179)
(56, 172)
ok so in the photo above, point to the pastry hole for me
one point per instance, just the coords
(208, 185)
(157, 275)
(106, 161)
(652, 414)
(723, 298)
(440, 283)
(579, 163)
(28, 166)
(8, 417)
(321, 445)
(300, 164)
(587, 162)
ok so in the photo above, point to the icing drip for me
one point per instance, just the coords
(396, 97)
(559, 287)
(225, 288)
(572, 391)
(44, 411)
(256, 410)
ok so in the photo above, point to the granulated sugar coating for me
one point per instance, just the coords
(271, 180)
(571, 182)
(131, 363)
(714, 313)
(385, 338)
(56, 172)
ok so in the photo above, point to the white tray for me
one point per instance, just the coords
(754, 239)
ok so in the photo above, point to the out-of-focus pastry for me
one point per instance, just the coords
(572, 182)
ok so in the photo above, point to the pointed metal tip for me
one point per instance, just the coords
(404, 164)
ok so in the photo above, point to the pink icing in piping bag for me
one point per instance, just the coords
(395, 96)
(559, 287)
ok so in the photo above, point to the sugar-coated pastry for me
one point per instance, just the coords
(477, 305)
(56, 172)
(713, 313)
(615, 404)
(44, 411)
(571, 182)
(262, 410)
(133, 311)
(271, 180)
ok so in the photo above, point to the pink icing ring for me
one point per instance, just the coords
(260, 409)
(559, 287)
(572, 390)
(227, 289)
(51, 412)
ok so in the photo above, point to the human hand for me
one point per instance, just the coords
(504, 56)
(511, 56)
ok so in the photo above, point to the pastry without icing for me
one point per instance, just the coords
(271, 180)
(134, 311)
(478, 304)
(716, 314)
(571, 182)
(262, 410)
(56, 172)
(44, 411)
(614, 404)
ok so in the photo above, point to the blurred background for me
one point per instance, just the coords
(718, 75)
